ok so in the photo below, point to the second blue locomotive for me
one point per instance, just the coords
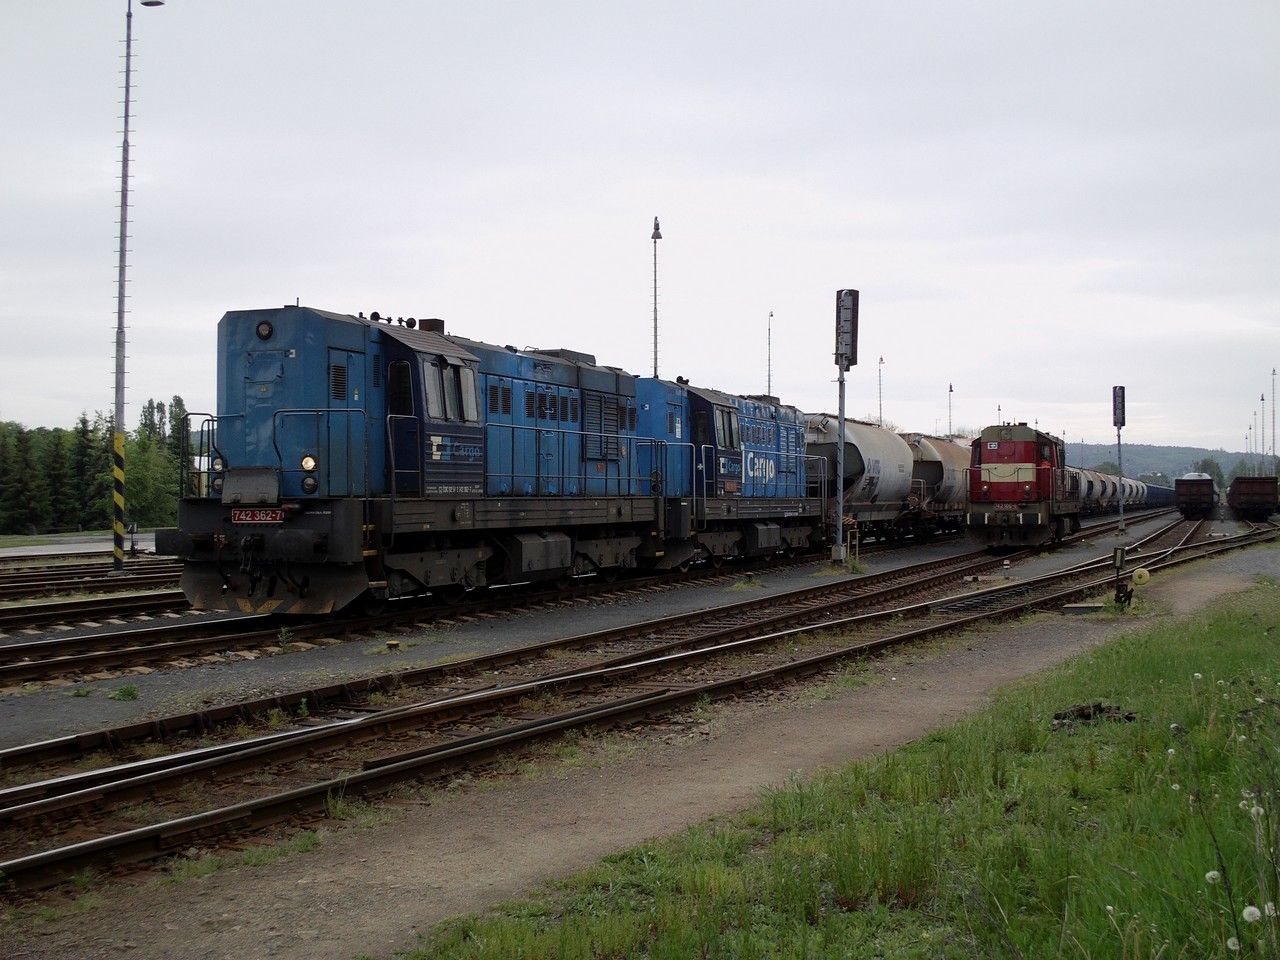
(353, 458)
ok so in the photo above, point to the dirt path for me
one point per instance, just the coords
(373, 889)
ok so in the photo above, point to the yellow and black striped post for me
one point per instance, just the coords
(117, 496)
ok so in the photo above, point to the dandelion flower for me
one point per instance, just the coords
(1198, 676)
(1251, 914)
(1174, 727)
(1242, 738)
(1219, 683)
(1170, 751)
(1110, 908)
(1233, 944)
(1213, 876)
(1174, 786)
(1256, 812)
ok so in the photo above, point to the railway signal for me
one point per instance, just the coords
(1117, 418)
(846, 356)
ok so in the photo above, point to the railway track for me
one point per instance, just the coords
(26, 661)
(290, 773)
(87, 578)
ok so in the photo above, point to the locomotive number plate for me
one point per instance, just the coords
(1006, 506)
(256, 515)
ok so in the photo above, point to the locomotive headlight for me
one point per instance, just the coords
(308, 463)
(217, 465)
(309, 484)
(216, 484)
(265, 330)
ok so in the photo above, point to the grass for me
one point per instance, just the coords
(191, 868)
(127, 692)
(999, 837)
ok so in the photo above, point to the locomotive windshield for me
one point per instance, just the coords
(451, 392)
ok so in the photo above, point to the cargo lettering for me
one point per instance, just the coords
(758, 468)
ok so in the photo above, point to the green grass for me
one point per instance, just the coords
(999, 837)
(127, 692)
(191, 868)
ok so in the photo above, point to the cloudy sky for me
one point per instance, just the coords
(1037, 199)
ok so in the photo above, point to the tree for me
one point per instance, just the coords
(8, 478)
(151, 484)
(99, 506)
(177, 414)
(1155, 479)
(1107, 467)
(1212, 468)
(60, 481)
(149, 422)
(25, 510)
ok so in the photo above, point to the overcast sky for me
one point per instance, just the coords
(1037, 200)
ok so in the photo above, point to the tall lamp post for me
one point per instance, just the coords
(117, 466)
(880, 390)
(951, 389)
(657, 235)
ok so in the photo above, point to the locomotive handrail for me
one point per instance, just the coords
(394, 471)
(627, 447)
(185, 466)
(318, 412)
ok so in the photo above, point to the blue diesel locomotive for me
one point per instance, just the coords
(360, 459)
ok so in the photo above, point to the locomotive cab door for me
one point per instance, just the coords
(404, 431)
(346, 430)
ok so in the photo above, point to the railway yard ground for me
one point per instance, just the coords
(373, 878)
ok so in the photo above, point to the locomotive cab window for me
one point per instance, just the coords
(399, 389)
(701, 429)
(431, 387)
(727, 429)
(451, 392)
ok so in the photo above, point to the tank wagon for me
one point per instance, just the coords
(1252, 498)
(1022, 493)
(893, 485)
(356, 459)
(1195, 495)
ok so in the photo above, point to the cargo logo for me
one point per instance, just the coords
(758, 468)
(450, 448)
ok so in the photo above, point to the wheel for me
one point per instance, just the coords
(369, 604)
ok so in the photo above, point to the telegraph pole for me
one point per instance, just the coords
(951, 389)
(117, 440)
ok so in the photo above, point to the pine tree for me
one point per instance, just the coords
(177, 414)
(8, 479)
(60, 481)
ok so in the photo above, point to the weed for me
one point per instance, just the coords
(82, 692)
(276, 718)
(127, 692)
(303, 710)
(285, 636)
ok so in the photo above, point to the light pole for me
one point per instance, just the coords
(117, 440)
(880, 390)
(1275, 467)
(1262, 462)
(657, 235)
(768, 347)
(951, 388)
